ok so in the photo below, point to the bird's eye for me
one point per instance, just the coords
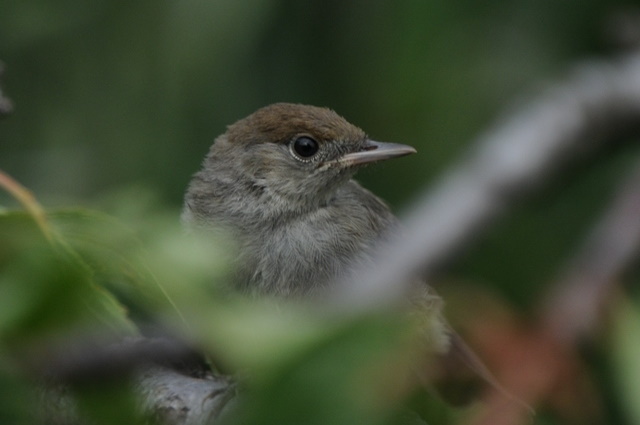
(305, 147)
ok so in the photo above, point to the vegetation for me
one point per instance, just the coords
(115, 104)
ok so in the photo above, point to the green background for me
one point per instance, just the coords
(113, 93)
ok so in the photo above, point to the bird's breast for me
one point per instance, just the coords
(305, 254)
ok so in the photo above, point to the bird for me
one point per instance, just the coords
(280, 181)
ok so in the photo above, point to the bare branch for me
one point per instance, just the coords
(598, 102)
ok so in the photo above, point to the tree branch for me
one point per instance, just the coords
(597, 103)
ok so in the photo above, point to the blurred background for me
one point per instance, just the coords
(115, 96)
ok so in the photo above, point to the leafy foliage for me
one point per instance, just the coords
(94, 273)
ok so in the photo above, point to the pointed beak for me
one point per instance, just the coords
(376, 151)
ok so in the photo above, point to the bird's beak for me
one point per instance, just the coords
(376, 151)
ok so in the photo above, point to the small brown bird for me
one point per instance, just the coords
(280, 180)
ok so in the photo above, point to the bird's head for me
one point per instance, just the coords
(299, 154)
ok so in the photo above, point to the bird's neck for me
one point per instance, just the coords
(246, 204)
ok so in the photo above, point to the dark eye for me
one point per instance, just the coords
(305, 147)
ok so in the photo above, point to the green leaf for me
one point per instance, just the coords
(626, 356)
(356, 372)
(47, 289)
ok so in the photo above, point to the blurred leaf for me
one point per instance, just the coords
(108, 402)
(626, 356)
(17, 397)
(47, 289)
(356, 373)
(114, 252)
